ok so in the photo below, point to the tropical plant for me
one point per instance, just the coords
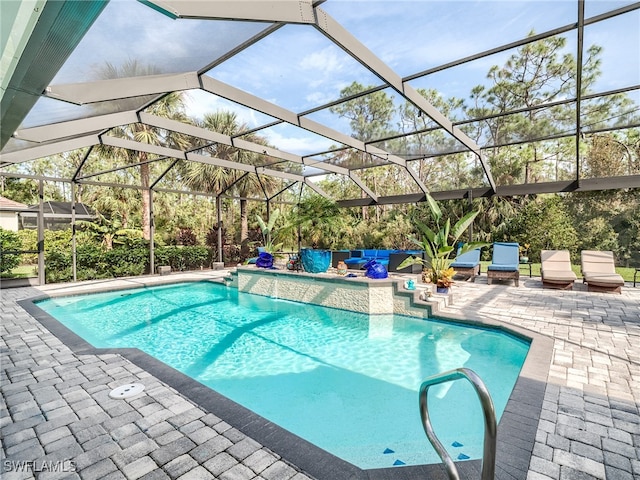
(109, 232)
(438, 252)
(268, 234)
(319, 221)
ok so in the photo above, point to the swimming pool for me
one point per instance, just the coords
(347, 382)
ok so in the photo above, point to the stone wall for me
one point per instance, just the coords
(359, 294)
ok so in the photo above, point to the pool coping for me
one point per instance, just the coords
(516, 430)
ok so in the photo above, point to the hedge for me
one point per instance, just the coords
(93, 262)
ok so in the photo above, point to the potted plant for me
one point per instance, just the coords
(438, 246)
(317, 221)
(265, 258)
(524, 253)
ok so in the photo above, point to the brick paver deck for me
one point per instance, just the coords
(57, 420)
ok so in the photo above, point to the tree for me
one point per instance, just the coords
(539, 73)
(441, 172)
(544, 224)
(169, 106)
(23, 191)
(319, 221)
(610, 156)
(370, 119)
(214, 179)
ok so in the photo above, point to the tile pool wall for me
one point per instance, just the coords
(359, 294)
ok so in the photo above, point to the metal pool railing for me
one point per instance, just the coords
(490, 424)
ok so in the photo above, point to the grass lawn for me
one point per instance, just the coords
(22, 271)
(627, 273)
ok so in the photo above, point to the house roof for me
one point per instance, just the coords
(60, 210)
(10, 205)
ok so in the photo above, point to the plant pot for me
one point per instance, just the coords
(315, 261)
(524, 259)
(444, 290)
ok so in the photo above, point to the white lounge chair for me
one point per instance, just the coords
(599, 271)
(555, 269)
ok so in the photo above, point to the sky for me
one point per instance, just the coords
(298, 68)
(305, 69)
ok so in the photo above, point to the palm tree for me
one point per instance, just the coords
(215, 179)
(169, 106)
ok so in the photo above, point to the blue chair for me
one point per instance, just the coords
(467, 264)
(504, 263)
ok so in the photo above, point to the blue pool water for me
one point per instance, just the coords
(345, 381)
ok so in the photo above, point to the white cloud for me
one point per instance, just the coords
(298, 144)
(327, 61)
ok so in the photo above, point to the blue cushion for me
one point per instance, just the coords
(464, 264)
(468, 259)
(355, 261)
(503, 268)
(505, 254)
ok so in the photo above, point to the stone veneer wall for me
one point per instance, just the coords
(358, 294)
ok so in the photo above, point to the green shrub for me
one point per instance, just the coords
(183, 258)
(58, 267)
(29, 241)
(94, 262)
(9, 241)
(126, 262)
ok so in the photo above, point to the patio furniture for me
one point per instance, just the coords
(504, 263)
(555, 269)
(635, 263)
(338, 256)
(599, 271)
(467, 265)
(528, 265)
(358, 258)
(396, 258)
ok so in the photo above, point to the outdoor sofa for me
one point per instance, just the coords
(389, 258)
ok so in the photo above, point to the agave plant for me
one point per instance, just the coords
(439, 244)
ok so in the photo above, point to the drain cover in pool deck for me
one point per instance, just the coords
(127, 391)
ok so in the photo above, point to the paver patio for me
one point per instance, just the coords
(56, 413)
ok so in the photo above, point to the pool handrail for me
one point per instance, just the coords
(490, 424)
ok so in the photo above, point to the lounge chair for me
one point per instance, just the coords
(504, 263)
(468, 264)
(556, 270)
(599, 271)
